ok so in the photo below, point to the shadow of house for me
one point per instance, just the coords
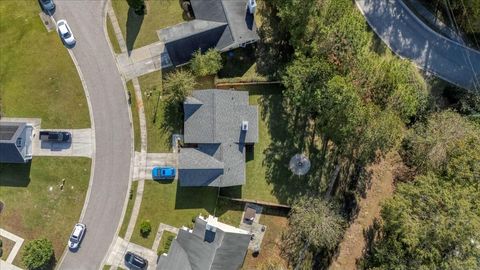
(134, 23)
(15, 175)
(220, 24)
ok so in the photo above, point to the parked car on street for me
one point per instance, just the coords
(77, 235)
(163, 173)
(133, 261)
(47, 5)
(55, 136)
(65, 32)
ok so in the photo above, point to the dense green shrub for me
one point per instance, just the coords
(145, 228)
(208, 63)
(38, 254)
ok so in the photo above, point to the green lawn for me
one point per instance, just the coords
(173, 205)
(139, 31)
(112, 37)
(128, 212)
(162, 120)
(135, 117)
(6, 247)
(34, 204)
(37, 75)
(167, 238)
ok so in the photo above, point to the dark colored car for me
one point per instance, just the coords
(47, 5)
(55, 136)
(133, 261)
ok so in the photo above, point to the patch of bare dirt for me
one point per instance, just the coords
(382, 186)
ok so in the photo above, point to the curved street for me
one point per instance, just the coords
(113, 143)
(409, 37)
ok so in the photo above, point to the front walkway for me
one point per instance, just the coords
(18, 244)
(143, 60)
(158, 236)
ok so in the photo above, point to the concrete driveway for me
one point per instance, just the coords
(79, 146)
(106, 198)
(153, 159)
(409, 37)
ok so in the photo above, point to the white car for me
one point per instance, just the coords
(65, 32)
(77, 235)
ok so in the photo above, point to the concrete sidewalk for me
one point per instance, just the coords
(143, 60)
(18, 244)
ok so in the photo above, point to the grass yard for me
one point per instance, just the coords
(270, 250)
(34, 204)
(112, 37)
(37, 75)
(162, 120)
(136, 119)
(6, 247)
(128, 212)
(167, 238)
(173, 205)
(139, 31)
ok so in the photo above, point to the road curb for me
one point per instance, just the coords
(92, 127)
(130, 116)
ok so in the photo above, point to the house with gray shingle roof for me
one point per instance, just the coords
(210, 245)
(218, 125)
(220, 24)
(15, 142)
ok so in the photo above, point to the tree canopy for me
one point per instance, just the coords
(38, 254)
(208, 63)
(178, 85)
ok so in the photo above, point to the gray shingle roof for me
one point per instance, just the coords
(219, 118)
(213, 121)
(9, 133)
(219, 24)
(225, 250)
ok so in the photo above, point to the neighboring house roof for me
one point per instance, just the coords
(210, 245)
(219, 24)
(15, 142)
(213, 120)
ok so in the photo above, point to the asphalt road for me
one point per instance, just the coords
(112, 131)
(410, 38)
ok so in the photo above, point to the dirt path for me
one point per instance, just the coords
(353, 243)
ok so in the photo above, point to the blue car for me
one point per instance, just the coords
(163, 173)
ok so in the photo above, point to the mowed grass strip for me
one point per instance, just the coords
(162, 120)
(135, 117)
(128, 212)
(173, 205)
(37, 75)
(140, 31)
(35, 206)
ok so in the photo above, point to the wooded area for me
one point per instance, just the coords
(349, 101)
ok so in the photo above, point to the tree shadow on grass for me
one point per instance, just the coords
(15, 175)
(287, 139)
(134, 23)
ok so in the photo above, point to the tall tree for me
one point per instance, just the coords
(431, 223)
(38, 255)
(314, 227)
(208, 63)
(178, 85)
